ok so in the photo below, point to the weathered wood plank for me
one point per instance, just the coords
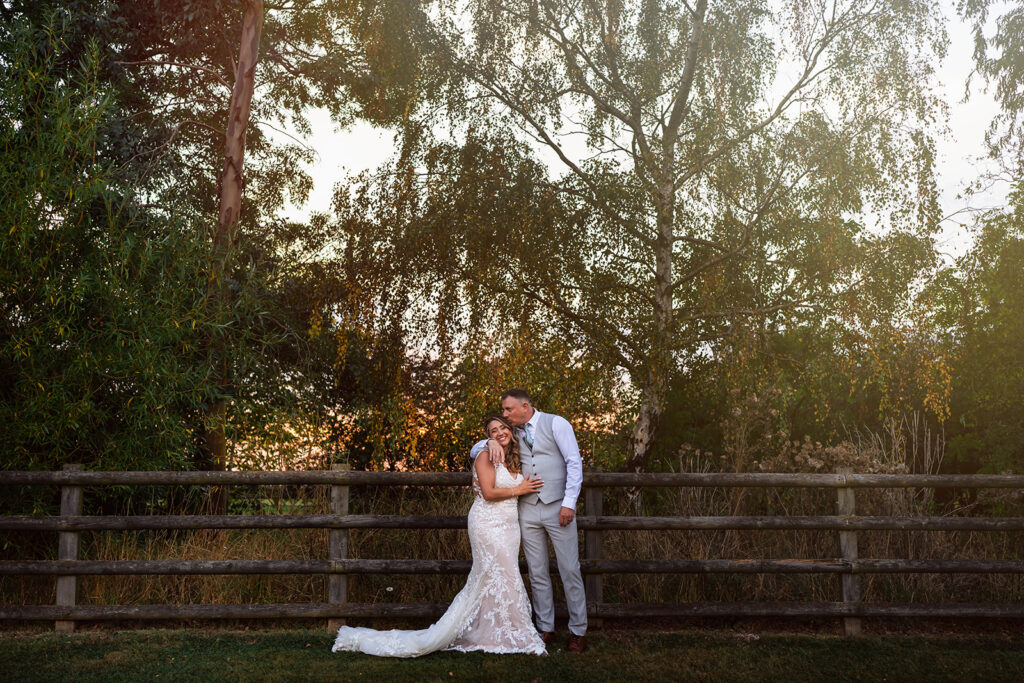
(433, 610)
(861, 566)
(370, 566)
(801, 480)
(593, 584)
(67, 549)
(845, 505)
(810, 609)
(337, 584)
(308, 477)
(233, 522)
(204, 567)
(824, 522)
(590, 479)
(254, 611)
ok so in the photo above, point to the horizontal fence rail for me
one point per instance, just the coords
(591, 522)
(753, 523)
(590, 479)
(434, 610)
(204, 567)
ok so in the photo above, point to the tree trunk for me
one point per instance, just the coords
(652, 405)
(654, 387)
(225, 237)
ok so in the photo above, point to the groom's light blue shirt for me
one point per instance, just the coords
(565, 438)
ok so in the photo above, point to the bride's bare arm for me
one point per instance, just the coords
(485, 474)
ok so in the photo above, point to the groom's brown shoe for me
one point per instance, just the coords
(577, 644)
(547, 636)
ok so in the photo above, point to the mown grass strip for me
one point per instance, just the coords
(293, 655)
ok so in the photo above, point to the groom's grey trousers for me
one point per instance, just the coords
(538, 521)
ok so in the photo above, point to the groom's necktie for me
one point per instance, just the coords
(526, 436)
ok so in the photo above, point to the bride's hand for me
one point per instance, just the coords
(495, 452)
(529, 486)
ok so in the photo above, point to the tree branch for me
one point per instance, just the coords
(180, 65)
(682, 100)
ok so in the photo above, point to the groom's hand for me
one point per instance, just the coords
(565, 516)
(495, 452)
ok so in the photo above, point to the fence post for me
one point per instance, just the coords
(593, 500)
(67, 549)
(337, 584)
(848, 551)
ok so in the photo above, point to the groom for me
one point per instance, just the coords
(548, 450)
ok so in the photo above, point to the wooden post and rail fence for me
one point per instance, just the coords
(591, 520)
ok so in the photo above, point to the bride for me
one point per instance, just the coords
(492, 612)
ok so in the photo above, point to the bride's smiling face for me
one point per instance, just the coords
(500, 433)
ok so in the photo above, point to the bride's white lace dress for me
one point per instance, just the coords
(491, 613)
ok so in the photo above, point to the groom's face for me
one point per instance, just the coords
(517, 412)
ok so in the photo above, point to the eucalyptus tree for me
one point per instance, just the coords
(167, 70)
(330, 54)
(707, 164)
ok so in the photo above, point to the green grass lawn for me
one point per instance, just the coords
(613, 655)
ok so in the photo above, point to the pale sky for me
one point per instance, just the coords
(361, 146)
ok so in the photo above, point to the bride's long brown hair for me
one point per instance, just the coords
(512, 462)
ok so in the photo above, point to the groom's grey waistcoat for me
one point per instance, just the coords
(543, 460)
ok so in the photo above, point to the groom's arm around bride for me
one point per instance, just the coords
(565, 440)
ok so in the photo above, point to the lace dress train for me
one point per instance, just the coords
(490, 614)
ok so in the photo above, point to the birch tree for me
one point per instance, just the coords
(719, 160)
(655, 177)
